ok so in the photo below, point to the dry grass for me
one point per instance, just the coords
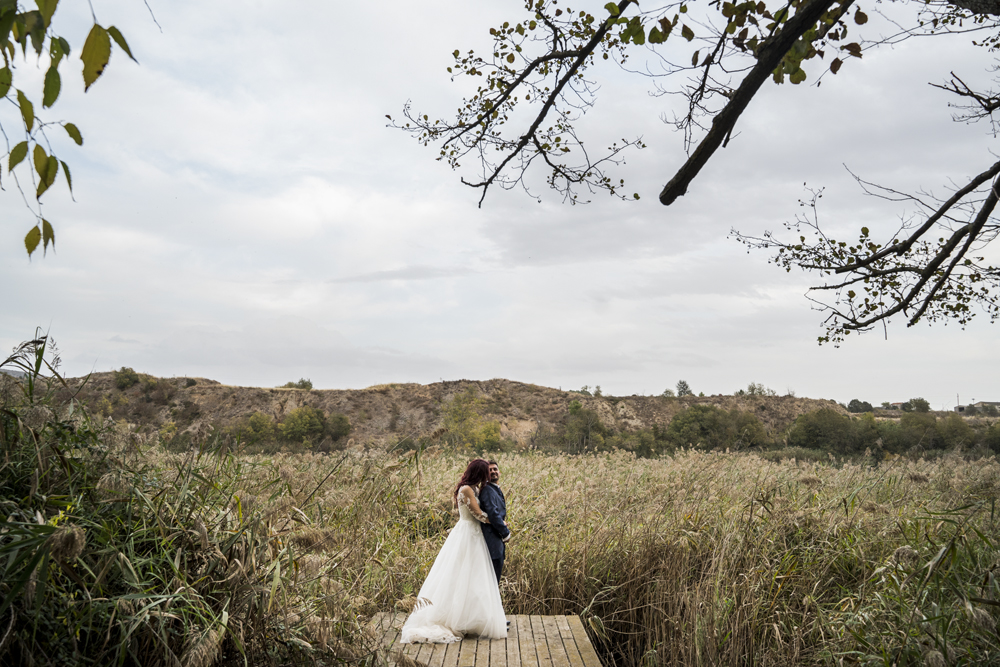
(700, 558)
(116, 550)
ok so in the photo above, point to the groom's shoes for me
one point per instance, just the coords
(508, 625)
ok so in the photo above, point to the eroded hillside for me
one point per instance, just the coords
(384, 414)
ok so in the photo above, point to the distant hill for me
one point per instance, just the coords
(386, 413)
(12, 372)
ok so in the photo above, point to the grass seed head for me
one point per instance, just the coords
(66, 544)
(934, 659)
(201, 649)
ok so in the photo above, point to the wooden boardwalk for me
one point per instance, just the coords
(532, 641)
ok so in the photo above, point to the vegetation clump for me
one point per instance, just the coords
(303, 383)
(125, 377)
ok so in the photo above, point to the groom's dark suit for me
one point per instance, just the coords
(492, 502)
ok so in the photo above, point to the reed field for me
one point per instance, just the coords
(118, 551)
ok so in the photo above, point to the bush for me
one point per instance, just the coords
(466, 427)
(584, 430)
(824, 429)
(305, 424)
(709, 427)
(756, 389)
(338, 426)
(857, 406)
(303, 383)
(684, 389)
(125, 377)
(920, 430)
(920, 405)
(256, 429)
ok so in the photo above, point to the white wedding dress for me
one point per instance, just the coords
(460, 595)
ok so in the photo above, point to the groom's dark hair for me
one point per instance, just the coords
(494, 463)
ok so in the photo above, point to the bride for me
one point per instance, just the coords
(460, 595)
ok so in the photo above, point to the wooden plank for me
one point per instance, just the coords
(451, 656)
(526, 641)
(498, 652)
(587, 651)
(538, 630)
(513, 647)
(436, 658)
(569, 642)
(467, 653)
(426, 650)
(532, 641)
(554, 642)
(381, 623)
(483, 652)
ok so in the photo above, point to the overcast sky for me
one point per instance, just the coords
(243, 213)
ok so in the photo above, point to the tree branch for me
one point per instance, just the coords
(769, 56)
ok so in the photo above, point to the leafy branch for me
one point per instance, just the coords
(31, 29)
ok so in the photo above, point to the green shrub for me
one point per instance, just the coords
(684, 389)
(956, 432)
(338, 426)
(256, 429)
(824, 429)
(919, 429)
(125, 377)
(702, 426)
(305, 424)
(920, 405)
(584, 430)
(303, 383)
(857, 406)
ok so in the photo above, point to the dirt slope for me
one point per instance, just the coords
(386, 413)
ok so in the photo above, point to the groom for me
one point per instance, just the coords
(492, 502)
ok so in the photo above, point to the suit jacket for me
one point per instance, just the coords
(492, 502)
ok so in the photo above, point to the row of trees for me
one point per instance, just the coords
(825, 430)
(305, 425)
(913, 405)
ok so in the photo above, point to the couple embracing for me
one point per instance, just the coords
(461, 594)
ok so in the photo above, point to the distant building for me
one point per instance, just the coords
(978, 405)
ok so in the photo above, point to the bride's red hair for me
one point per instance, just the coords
(477, 472)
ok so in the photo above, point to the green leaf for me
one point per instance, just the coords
(48, 235)
(41, 160)
(69, 178)
(31, 240)
(27, 111)
(835, 65)
(120, 41)
(74, 133)
(798, 76)
(48, 177)
(56, 52)
(17, 154)
(687, 33)
(655, 36)
(860, 17)
(612, 8)
(95, 56)
(52, 85)
(47, 8)
(6, 78)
